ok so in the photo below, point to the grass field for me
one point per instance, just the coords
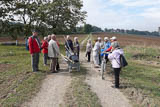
(140, 80)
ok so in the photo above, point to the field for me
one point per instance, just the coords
(140, 80)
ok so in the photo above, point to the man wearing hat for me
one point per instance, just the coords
(34, 49)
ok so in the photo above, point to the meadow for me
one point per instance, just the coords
(140, 80)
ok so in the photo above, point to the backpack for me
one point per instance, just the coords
(27, 42)
(123, 61)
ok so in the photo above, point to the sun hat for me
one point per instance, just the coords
(99, 38)
(106, 38)
(113, 38)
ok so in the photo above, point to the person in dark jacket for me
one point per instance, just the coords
(34, 49)
(69, 46)
(76, 46)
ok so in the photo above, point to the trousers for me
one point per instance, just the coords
(116, 74)
(35, 61)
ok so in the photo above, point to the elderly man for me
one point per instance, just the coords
(69, 46)
(53, 53)
(107, 43)
(34, 48)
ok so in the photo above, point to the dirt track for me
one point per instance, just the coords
(52, 90)
(109, 97)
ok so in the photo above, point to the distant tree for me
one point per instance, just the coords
(87, 28)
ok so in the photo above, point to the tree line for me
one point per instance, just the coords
(19, 17)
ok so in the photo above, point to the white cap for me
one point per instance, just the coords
(99, 38)
(106, 38)
(113, 38)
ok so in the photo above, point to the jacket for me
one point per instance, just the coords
(76, 47)
(114, 57)
(34, 45)
(45, 47)
(107, 45)
(69, 45)
(88, 47)
(53, 49)
(97, 47)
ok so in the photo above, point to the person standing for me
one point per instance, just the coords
(34, 48)
(69, 46)
(114, 57)
(53, 53)
(96, 53)
(88, 50)
(76, 46)
(45, 50)
(101, 46)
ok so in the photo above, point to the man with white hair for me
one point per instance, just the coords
(69, 46)
(96, 54)
(53, 53)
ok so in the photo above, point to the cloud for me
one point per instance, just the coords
(126, 14)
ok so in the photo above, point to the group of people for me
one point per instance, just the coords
(51, 50)
(113, 50)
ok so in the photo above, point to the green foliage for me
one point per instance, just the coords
(58, 16)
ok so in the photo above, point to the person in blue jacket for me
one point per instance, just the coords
(107, 44)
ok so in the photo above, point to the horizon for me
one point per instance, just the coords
(142, 15)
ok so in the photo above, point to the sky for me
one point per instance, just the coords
(124, 14)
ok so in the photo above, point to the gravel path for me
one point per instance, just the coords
(109, 97)
(52, 90)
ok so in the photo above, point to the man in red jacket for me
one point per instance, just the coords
(45, 50)
(34, 48)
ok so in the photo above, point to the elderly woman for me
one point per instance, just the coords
(114, 57)
(96, 53)
(45, 50)
(88, 50)
(76, 46)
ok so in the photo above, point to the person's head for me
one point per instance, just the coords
(68, 37)
(49, 37)
(53, 37)
(99, 39)
(96, 40)
(75, 39)
(34, 33)
(45, 38)
(89, 41)
(113, 39)
(106, 39)
(115, 45)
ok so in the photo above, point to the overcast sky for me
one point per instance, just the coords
(126, 14)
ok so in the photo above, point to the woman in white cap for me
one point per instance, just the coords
(114, 57)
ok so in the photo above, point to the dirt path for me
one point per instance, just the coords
(52, 90)
(109, 97)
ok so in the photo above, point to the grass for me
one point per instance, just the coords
(143, 77)
(79, 93)
(17, 82)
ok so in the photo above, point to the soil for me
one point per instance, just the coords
(109, 97)
(52, 90)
